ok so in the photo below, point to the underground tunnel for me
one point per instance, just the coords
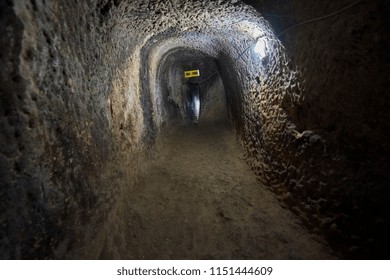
(276, 148)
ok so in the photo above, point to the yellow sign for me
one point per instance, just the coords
(191, 73)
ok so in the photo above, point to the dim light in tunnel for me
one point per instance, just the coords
(260, 48)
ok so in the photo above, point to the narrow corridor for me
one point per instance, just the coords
(109, 150)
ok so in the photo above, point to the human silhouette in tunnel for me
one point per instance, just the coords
(192, 102)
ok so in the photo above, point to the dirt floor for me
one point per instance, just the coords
(198, 199)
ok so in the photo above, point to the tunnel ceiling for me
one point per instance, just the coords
(214, 28)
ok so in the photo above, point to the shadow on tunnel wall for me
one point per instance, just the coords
(60, 168)
(336, 174)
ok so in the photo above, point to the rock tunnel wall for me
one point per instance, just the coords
(88, 94)
(65, 126)
(330, 163)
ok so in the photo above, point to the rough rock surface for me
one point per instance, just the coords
(332, 154)
(87, 86)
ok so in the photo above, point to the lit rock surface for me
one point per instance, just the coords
(87, 87)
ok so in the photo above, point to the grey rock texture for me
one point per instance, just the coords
(86, 87)
(333, 155)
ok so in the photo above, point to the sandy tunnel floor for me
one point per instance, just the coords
(200, 200)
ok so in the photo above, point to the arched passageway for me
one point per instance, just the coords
(278, 147)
